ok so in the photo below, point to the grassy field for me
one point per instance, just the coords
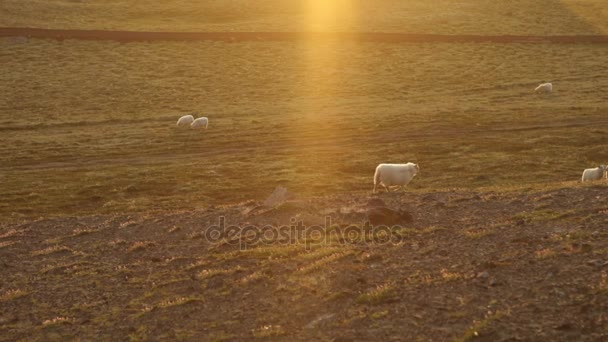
(539, 17)
(104, 203)
(88, 127)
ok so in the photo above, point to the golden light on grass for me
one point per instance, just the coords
(325, 15)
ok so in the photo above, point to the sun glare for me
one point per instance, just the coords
(330, 15)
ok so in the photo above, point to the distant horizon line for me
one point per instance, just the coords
(232, 36)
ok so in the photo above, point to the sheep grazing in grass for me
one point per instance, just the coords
(394, 175)
(185, 120)
(594, 174)
(200, 123)
(544, 88)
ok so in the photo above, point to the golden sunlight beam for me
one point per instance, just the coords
(330, 15)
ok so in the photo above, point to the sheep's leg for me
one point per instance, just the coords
(386, 188)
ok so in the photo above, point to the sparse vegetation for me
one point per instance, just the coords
(380, 295)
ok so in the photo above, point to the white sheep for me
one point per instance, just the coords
(185, 120)
(394, 174)
(594, 174)
(544, 88)
(201, 122)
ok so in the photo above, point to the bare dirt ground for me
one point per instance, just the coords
(483, 265)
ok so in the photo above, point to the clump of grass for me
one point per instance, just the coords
(12, 294)
(140, 245)
(268, 331)
(204, 274)
(196, 264)
(117, 242)
(251, 277)
(7, 243)
(451, 276)
(130, 223)
(178, 301)
(323, 261)
(58, 320)
(478, 233)
(379, 295)
(379, 314)
(12, 232)
(83, 231)
(545, 253)
(51, 250)
(418, 278)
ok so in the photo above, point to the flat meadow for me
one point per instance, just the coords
(90, 126)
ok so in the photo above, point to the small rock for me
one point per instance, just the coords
(483, 275)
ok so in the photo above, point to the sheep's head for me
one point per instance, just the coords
(603, 167)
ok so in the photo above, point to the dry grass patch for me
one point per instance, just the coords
(478, 233)
(545, 253)
(58, 321)
(52, 250)
(178, 301)
(379, 295)
(451, 276)
(12, 294)
(7, 243)
(12, 232)
(83, 231)
(319, 264)
(251, 277)
(141, 245)
(205, 274)
(197, 264)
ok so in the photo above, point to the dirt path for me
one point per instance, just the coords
(133, 36)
